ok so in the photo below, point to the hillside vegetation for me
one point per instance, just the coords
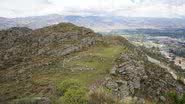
(67, 64)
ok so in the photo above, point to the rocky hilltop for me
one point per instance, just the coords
(68, 64)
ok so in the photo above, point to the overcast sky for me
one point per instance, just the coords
(134, 8)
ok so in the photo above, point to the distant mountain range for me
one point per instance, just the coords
(97, 23)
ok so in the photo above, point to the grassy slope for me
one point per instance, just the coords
(99, 60)
(42, 74)
(87, 67)
(96, 62)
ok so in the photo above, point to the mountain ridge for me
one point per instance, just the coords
(97, 23)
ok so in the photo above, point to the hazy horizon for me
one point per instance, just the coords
(126, 8)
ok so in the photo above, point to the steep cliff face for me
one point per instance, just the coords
(34, 64)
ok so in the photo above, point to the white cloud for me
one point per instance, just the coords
(136, 8)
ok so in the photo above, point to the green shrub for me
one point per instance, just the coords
(176, 99)
(68, 84)
(75, 96)
(72, 92)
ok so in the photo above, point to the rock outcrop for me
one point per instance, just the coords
(20, 44)
(131, 77)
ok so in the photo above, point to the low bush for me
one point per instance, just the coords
(68, 84)
(72, 92)
(75, 96)
(176, 99)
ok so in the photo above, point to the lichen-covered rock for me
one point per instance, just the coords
(88, 41)
(130, 77)
(134, 76)
(113, 71)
